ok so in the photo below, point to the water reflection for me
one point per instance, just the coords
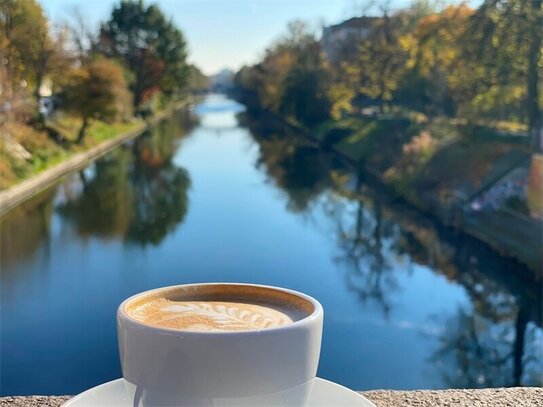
(362, 238)
(496, 340)
(296, 166)
(424, 307)
(21, 243)
(480, 350)
(136, 193)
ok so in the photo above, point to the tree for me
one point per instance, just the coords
(197, 81)
(96, 91)
(249, 81)
(382, 60)
(343, 88)
(506, 36)
(439, 79)
(81, 36)
(26, 45)
(150, 46)
(291, 79)
(305, 93)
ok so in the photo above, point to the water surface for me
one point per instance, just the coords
(237, 199)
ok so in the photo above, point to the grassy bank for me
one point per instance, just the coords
(25, 151)
(443, 168)
(436, 165)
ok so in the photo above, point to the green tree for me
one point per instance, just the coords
(291, 79)
(506, 37)
(150, 46)
(25, 45)
(96, 91)
(343, 88)
(438, 80)
(197, 81)
(249, 82)
(382, 60)
(305, 93)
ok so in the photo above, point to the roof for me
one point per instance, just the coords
(355, 22)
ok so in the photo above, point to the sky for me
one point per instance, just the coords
(226, 33)
(222, 33)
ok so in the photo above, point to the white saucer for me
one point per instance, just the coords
(120, 393)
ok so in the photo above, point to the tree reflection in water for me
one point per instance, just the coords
(361, 233)
(306, 173)
(494, 341)
(16, 242)
(160, 192)
(137, 193)
(297, 166)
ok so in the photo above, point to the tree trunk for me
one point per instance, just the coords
(535, 119)
(83, 179)
(518, 346)
(82, 130)
(39, 115)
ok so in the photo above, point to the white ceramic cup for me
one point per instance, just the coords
(272, 367)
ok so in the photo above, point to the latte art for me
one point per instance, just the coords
(210, 315)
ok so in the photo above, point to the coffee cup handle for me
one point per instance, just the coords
(137, 396)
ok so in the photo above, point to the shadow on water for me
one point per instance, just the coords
(494, 341)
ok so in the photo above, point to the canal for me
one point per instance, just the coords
(215, 195)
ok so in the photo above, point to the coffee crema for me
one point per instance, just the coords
(212, 316)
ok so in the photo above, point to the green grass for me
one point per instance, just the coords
(44, 152)
(97, 131)
(453, 159)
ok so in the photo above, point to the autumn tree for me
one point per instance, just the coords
(291, 78)
(296, 81)
(97, 90)
(26, 45)
(438, 80)
(506, 36)
(149, 45)
(305, 96)
(382, 60)
(197, 81)
(249, 81)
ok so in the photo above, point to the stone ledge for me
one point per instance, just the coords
(508, 397)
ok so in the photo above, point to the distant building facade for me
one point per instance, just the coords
(336, 38)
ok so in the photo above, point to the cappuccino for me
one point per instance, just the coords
(220, 344)
(219, 310)
(212, 315)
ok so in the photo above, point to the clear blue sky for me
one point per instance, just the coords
(221, 33)
(225, 33)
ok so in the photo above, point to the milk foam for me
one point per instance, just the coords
(208, 316)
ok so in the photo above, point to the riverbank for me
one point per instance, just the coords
(513, 396)
(467, 177)
(14, 195)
